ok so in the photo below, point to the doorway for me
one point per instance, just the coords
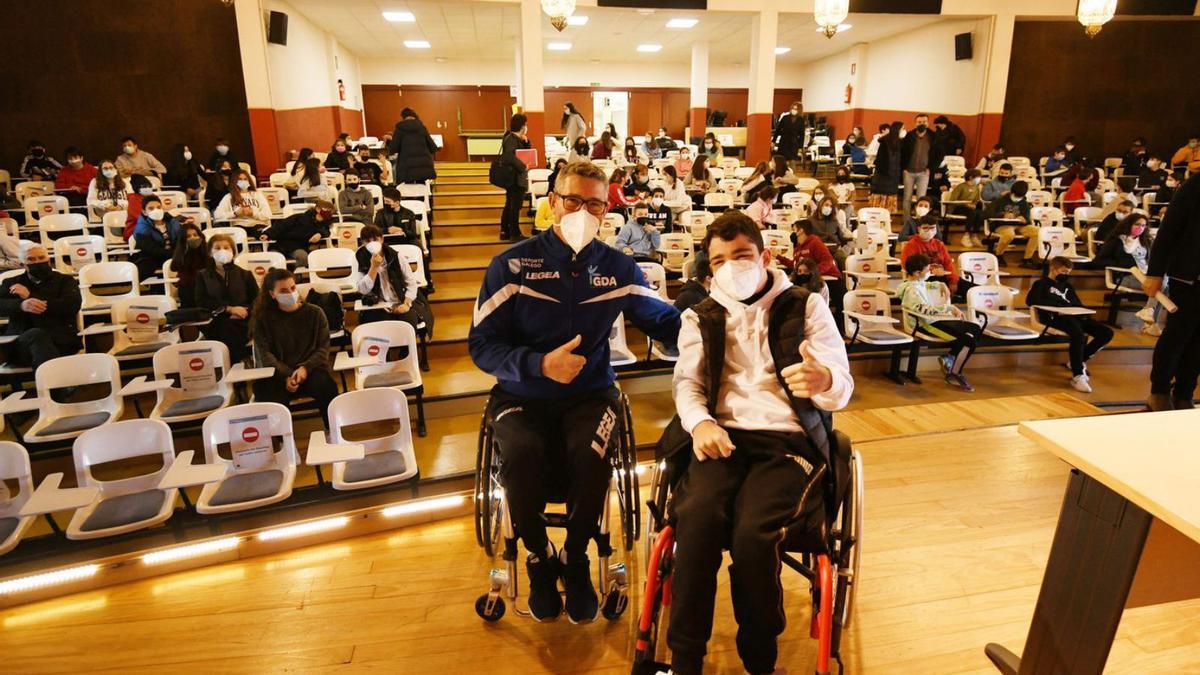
(611, 106)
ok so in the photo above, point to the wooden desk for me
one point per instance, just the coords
(1128, 534)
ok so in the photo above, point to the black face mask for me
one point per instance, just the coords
(921, 128)
(226, 172)
(38, 152)
(1062, 278)
(802, 278)
(39, 271)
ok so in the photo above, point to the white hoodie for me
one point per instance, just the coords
(751, 397)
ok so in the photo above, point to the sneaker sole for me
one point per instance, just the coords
(584, 621)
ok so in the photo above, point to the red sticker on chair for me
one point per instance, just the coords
(988, 303)
(48, 208)
(260, 270)
(249, 434)
(81, 252)
(373, 350)
(978, 267)
(866, 305)
(143, 317)
(866, 267)
(196, 364)
(345, 234)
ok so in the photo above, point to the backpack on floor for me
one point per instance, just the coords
(331, 304)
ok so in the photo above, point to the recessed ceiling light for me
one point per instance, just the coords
(439, 59)
(558, 46)
(649, 48)
(842, 28)
(682, 23)
(577, 20)
(399, 17)
(417, 44)
(645, 11)
(782, 50)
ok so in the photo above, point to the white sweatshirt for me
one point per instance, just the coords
(260, 210)
(751, 397)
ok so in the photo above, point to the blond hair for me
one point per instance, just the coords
(583, 169)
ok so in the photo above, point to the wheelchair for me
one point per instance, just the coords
(833, 572)
(495, 532)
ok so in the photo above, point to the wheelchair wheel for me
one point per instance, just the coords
(850, 543)
(480, 480)
(659, 493)
(627, 480)
(489, 504)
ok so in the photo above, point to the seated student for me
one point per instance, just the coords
(1188, 156)
(658, 213)
(806, 245)
(918, 294)
(1075, 196)
(1162, 198)
(995, 156)
(139, 189)
(968, 191)
(243, 202)
(107, 192)
(1057, 163)
(581, 151)
(1002, 181)
(41, 305)
(696, 288)
(366, 170)
(699, 181)
(291, 336)
(1087, 335)
(157, 234)
(37, 165)
(183, 171)
(761, 176)
(217, 180)
(909, 229)
(757, 445)
(1153, 175)
(553, 178)
(187, 262)
(11, 256)
(1134, 160)
(1013, 206)
(855, 155)
(639, 237)
(603, 147)
(74, 179)
(650, 147)
(639, 180)
(684, 162)
(398, 224)
(230, 291)
(782, 176)
(339, 157)
(807, 276)
(1109, 223)
(762, 210)
(356, 202)
(300, 233)
(222, 152)
(674, 190)
(308, 181)
(926, 242)
(712, 149)
(386, 279)
(617, 201)
(829, 225)
(1129, 247)
(631, 151)
(134, 160)
(842, 189)
(543, 219)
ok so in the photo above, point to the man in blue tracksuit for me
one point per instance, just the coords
(541, 326)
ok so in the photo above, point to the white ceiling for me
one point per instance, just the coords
(489, 30)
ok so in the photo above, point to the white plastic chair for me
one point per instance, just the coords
(60, 421)
(404, 373)
(172, 199)
(1086, 215)
(277, 199)
(875, 216)
(412, 254)
(56, 225)
(113, 226)
(778, 242)
(37, 207)
(200, 215)
(249, 487)
(696, 223)
(539, 184)
(1058, 241)
(713, 200)
(345, 234)
(33, 188)
(72, 253)
(992, 308)
(732, 186)
(868, 318)
(124, 504)
(980, 267)
(181, 393)
(420, 209)
(334, 265)
(1039, 198)
(102, 284)
(280, 178)
(14, 466)
(743, 172)
(676, 248)
(128, 343)
(261, 262)
(867, 272)
(1046, 216)
(796, 200)
(619, 353)
(241, 241)
(386, 459)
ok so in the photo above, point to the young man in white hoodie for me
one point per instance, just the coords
(759, 422)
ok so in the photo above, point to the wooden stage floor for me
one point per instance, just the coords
(960, 511)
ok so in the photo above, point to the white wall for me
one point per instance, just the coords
(564, 73)
(302, 72)
(824, 82)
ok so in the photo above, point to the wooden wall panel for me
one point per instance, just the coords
(1134, 79)
(88, 73)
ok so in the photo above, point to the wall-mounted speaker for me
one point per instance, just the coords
(277, 28)
(962, 47)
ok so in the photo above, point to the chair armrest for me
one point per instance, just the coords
(359, 306)
(872, 318)
(240, 373)
(6, 339)
(182, 473)
(49, 498)
(17, 403)
(140, 385)
(868, 275)
(931, 317)
(343, 361)
(157, 281)
(101, 329)
(1001, 313)
(1065, 311)
(321, 451)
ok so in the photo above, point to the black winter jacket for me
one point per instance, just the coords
(414, 148)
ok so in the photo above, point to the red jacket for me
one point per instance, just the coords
(69, 177)
(816, 249)
(616, 197)
(937, 252)
(132, 211)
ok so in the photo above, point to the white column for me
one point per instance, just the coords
(999, 56)
(530, 83)
(699, 93)
(764, 36)
(252, 43)
(517, 62)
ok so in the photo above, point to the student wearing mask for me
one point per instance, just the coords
(385, 279)
(291, 336)
(580, 150)
(964, 200)
(516, 139)
(922, 208)
(924, 241)
(603, 148)
(216, 184)
(650, 147)
(684, 162)
(699, 181)
(818, 195)
(183, 170)
(920, 295)
(157, 235)
(1163, 197)
(1087, 335)
(339, 157)
(367, 170)
(1134, 160)
(1108, 225)
(1013, 207)
(75, 179)
(37, 165)
(229, 291)
(11, 256)
(308, 181)
(134, 160)
(187, 262)
(885, 183)
(1188, 156)
(760, 177)
(1056, 164)
(674, 190)
(1000, 183)
(806, 245)
(995, 156)
(639, 181)
(854, 155)
(788, 134)
(949, 136)
(917, 156)
(782, 176)
(355, 202)
(243, 201)
(712, 148)
(300, 233)
(1128, 248)
(617, 202)
(639, 237)
(1074, 155)
(658, 212)
(107, 191)
(414, 148)
(574, 125)
(140, 189)
(41, 305)
(762, 210)
(696, 288)
(398, 224)
(631, 151)
(756, 441)
(558, 165)
(829, 225)
(1153, 175)
(221, 152)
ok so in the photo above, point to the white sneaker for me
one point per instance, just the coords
(1080, 383)
(1146, 315)
(1152, 329)
(966, 241)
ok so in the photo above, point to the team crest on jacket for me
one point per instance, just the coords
(600, 281)
(514, 265)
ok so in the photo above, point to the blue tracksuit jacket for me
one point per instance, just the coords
(538, 295)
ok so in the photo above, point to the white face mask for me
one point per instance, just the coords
(925, 277)
(243, 185)
(657, 202)
(826, 210)
(374, 247)
(187, 156)
(1017, 200)
(740, 278)
(976, 180)
(287, 299)
(110, 173)
(818, 197)
(926, 235)
(222, 149)
(129, 149)
(578, 229)
(223, 256)
(146, 191)
(155, 214)
(922, 210)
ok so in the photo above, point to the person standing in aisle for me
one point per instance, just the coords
(516, 182)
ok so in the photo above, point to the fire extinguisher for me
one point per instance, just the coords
(849, 93)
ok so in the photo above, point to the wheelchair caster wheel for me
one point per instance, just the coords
(489, 610)
(614, 605)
